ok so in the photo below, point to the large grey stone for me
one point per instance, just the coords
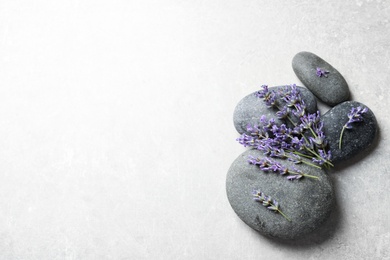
(332, 89)
(307, 202)
(251, 108)
(355, 140)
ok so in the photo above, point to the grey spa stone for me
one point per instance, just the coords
(330, 87)
(355, 140)
(306, 202)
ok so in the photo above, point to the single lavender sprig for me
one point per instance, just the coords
(268, 202)
(322, 73)
(268, 165)
(356, 115)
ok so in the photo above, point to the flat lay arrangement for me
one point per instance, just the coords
(280, 186)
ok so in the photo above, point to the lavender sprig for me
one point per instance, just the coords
(268, 165)
(268, 202)
(322, 73)
(356, 115)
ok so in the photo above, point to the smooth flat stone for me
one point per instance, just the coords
(307, 202)
(355, 140)
(251, 108)
(332, 89)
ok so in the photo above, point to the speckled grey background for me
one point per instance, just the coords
(116, 128)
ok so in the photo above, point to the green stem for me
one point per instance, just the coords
(281, 213)
(306, 162)
(302, 154)
(292, 122)
(329, 163)
(341, 136)
(304, 175)
(311, 164)
(312, 132)
(313, 152)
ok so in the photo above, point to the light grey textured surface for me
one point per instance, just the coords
(116, 128)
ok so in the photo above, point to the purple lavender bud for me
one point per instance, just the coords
(318, 161)
(319, 141)
(262, 93)
(253, 160)
(285, 145)
(300, 110)
(308, 145)
(283, 132)
(318, 128)
(317, 117)
(324, 155)
(246, 140)
(298, 129)
(250, 128)
(269, 97)
(295, 158)
(297, 144)
(282, 114)
(321, 73)
(263, 120)
(356, 115)
(268, 202)
(306, 122)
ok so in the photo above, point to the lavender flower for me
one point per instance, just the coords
(269, 97)
(319, 140)
(310, 120)
(356, 115)
(324, 157)
(268, 202)
(268, 165)
(300, 110)
(261, 93)
(246, 140)
(293, 100)
(283, 113)
(320, 72)
(284, 142)
(256, 131)
(295, 158)
(267, 124)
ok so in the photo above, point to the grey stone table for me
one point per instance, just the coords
(116, 129)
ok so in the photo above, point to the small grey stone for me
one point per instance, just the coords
(332, 89)
(307, 202)
(355, 140)
(251, 108)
